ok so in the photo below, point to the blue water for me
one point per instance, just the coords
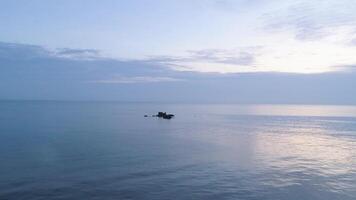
(97, 150)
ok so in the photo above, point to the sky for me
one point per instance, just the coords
(242, 51)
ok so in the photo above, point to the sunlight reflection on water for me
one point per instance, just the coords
(57, 150)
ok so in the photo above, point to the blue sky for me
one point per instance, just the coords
(141, 50)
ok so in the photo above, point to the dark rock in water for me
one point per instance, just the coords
(168, 116)
(161, 114)
(164, 115)
(145, 115)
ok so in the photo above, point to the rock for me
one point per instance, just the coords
(168, 116)
(164, 115)
(161, 114)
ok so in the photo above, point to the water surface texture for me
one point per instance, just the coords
(97, 150)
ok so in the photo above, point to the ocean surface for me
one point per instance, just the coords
(108, 150)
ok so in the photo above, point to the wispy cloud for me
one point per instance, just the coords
(312, 20)
(77, 53)
(234, 57)
(200, 59)
(137, 79)
(27, 51)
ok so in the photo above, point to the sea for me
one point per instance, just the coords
(109, 150)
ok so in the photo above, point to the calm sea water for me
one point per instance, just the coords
(82, 150)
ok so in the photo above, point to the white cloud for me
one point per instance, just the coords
(300, 36)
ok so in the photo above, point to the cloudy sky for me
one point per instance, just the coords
(243, 51)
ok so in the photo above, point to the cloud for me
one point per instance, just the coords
(27, 51)
(289, 56)
(297, 58)
(199, 60)
(39, 63)
(77, 53)
(224, 57)
(47, 76)
(311, 20)
(21, 51)
(137, 79)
